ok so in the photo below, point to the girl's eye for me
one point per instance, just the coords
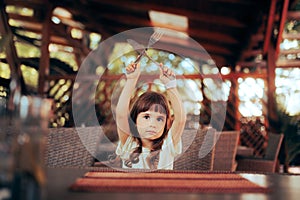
(160, 119)
(146, 117)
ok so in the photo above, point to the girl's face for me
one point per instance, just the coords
(151, 124)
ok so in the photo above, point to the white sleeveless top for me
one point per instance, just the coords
(166, 157)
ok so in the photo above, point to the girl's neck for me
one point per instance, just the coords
(147, 143)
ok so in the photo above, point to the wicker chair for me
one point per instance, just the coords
(225, 151)
(72, 146)
(270, 160)
(198, 150)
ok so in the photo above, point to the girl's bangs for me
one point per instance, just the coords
(151, 101)
(158, 108)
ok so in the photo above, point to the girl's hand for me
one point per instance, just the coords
(133, 71)
(166, 74)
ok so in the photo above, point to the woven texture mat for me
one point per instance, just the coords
(107, 181)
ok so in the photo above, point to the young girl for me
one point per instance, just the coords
(146, 140)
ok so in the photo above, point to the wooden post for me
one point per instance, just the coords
(11, 53)
(270, 26)
(272, 56)
(44, 64)
(272, 115)
(235, 102)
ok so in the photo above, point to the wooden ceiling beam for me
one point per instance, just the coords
(288, 63)
(29, 29)
(125, 19)
(293, 15)
(212, 36)
(30, 25)
(251, 53)
(257, 38)
(193, 53)
(252, 64)
(244, 2)
(291, 36)
(34, 4)
(197, 16)
(289, 51)
(24, 18)
(221, 50)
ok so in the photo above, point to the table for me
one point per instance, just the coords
(59, 179)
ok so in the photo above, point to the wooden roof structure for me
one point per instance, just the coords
(229, 30)
(233, 32)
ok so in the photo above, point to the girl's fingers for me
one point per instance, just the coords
(161, 65)
(167, 71)
(131, 67)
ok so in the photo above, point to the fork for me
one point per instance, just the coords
(153, 39)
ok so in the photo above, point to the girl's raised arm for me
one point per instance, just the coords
(167, 76)
(122, 109)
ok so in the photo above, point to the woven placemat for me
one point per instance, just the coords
(106, 181)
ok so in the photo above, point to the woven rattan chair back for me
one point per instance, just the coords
(273, 148)
(72, 146)
(225, 151)
(198, 150)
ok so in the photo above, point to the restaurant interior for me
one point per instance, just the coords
(62, 65)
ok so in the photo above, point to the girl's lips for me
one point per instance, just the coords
(151, 132)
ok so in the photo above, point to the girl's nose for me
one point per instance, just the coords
(152, 123)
